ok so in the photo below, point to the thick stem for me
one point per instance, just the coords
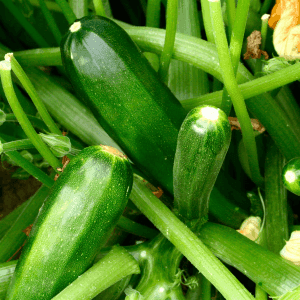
(22, 118)
(167, 51)
(50, 21)
(153, 13)
(67, 11)
(28, 27)
(275, 200)
(29, 88)
(236, 43)
(117, 264)
(99, 9)
(187, 243)
(234, 92)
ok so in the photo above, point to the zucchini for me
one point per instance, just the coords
(75, 220)
(202, 144)
(291, 176)
(124, 93)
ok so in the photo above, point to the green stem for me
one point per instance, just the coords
(29, 88)
(29, 167)
(251, 88)
(52, 6)
(275, 200)
(207, 21)
(153, 13)
(236, 43)
(17, 145)
(34, 34)
(271, 272)
(5, 70)
(167, 51)
(264, 31)
(230, 11)
(260, 294)
(79, 7)
(117, 264)
(266, 7)
(36, 122)
(67, 11)
(187, 242)
(234, 92)
(27, 144)
(39, 57)
(295, 227)
(50, 21)
(99, 8)
(136, 228)
(186, 81)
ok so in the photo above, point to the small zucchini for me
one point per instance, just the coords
(202, 144)
(75, 220)
(291, 176)
(124, 93)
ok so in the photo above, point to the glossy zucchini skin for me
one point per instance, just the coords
(77, 217)
(291, 176)
(124, 93)
(202, 144)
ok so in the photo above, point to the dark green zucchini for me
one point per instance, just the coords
(202, 144)
(77, 217)
(291, 176)
(124, 93)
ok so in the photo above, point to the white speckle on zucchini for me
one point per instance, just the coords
(210, 113)
(290, 176)
(75, 26)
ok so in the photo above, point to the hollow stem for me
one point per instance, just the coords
(5, 71)
(99, 8)
(67, 11)
(167, 51)
(153, 13)
(187, 242)
(234, 92)
(136, 228)
(236, 43)
(34, 34)
(36, 122)
(230, 11)
(50, 21)
(117, 264)
(264, 31)
(277, 231)
(29, 88)
(79, 7)
(39, 57)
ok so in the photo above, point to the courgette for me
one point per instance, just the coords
(202, 144)
(291, 176)
(75, 220)
(124, 93)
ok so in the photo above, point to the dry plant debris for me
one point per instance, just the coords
(253, 46)
(235, 124)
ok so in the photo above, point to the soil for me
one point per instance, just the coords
(13, 192)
